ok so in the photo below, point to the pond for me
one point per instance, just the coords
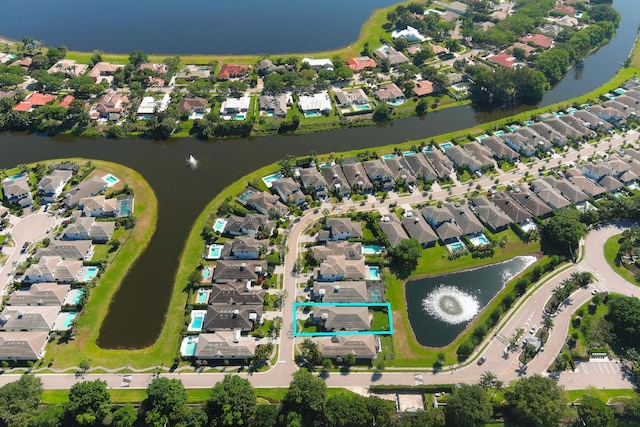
(441, 307)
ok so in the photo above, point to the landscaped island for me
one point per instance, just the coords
(417, 58)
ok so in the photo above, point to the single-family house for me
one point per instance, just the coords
(390, 93)
(52, 269)
(548, 194)
(610, 182)
(266, 67)
(609, 114)
(379, 172)
(503, 59)
(562, 8)
(421, 167)
(235, 108)
(347, 291)
(539, 40)
(440, 163)
(514, 211)
(340, 267)
(490, 214)
(273, 105)
(223, 345)
(361, 63)
(336, 180)
(417, 228)
(356, 176)
(350, 250)
(313, 182)
(267, 204)
(98, 206)
(386, 52)
(231, 317)
(68, 67)
(33, 101)
(340, 346)
(347, 98)
(465, 219)
(77, 249)
(531, 202)
(150, 105)
(340, 229)
(592, 121)
(40, 294)
(318, 64)
(423, 88)
(479, 152)
(236, 293)
(193, 107)
(193, 72)
(87, 228)
(519, 143)
(596, 170)
(104, 71)
(23, 345)
(17, 190)
(400, 170)
(394, 231)
(28, 318)
(462, 159)
(233, 71)
(227, 270)
(315, 104)
(110, 106)
(242, 247)
(289, 191)
(579, 125)
(252, 224)
(442, 221)
(342, 318)
(455, 7)
(591, 188)
(567, 189)
(156, 68)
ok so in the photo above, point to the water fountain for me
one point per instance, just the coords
(192, 162)
(451, 305)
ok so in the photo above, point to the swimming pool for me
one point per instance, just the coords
(68, 320)
(513, 128)
(499, 132)
(456, 246)
(197, 320)
(620, 91)
(481, 137)
(311, 114)
(214, 251)
(571, 110)
(239, 116)
(529, 122)
(90, 273)
(206, 272)
(427, 149)
(363, 107)
(14, 177)
(202, 296)
(110, 180)
(446, 145)
(396, 102)
(389, 156)
(618, 195)
(219, 225)
(246, 195)
(408, 153)
(558, 114)
(479, 239)
(77, 297)
(372, 249)
(125, 207)
(188, 345)
(374, 272)
(268, 180)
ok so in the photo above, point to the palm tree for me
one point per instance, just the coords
(497, 386)
(487, 379)
(547, 323)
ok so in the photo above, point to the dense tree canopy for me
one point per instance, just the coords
(232, 402)
(537, 401)
(468, 406)
(562, 233)
(593, 412)
(89, 402)
(624, 315)
(19, 400)
(166, 402)
(306, 396)
(405, 256)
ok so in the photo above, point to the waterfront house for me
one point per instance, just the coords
(567, 189)
(78, 249)
(193, 107)
(193, 72)
(151, 105)
(289, 191)
(16, 190)
(361, 63)
(349, 291)
(231, 317)
(421, 167)
(340, 346)
(490, 214)
(236, 293)
(33, 101)
(68, 67)
(40, 294)
(417, 228)
(252, 224)
(455, 7)
(440, 163)
(611, 183)
(23, 345)
(442, 222)
(394, 231)
(336, 180)
(390, 93)
(514, 211)
(87, 228)
(611, 115)
(98, 206)
(380, 173)
(267, 204)
(103, 72)
(315, 104)
(266, 67)
(52, 269)
(340, 229)
(222, 345)
(531, 202)
(386, 52)
(239, 270)
(342, 318)
(233, 71)
(503, 59)
(423, 88)
(465, 219)
(400, 170)
(549, 134)
(110, 106)
(348, 98)
(242, 247)
(273, 105)
(235, 108)
(519, 144)
(462, 159)
(318, 64)
(350, 250)
(591, 120)
(340, 267)
(156, 68)
(357, 176)
(84, 189)
(51, 185)
(538, 40)
(479, 152)
(28, 318)
(313, 182)
(579, 125)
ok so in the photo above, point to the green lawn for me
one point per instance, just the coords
(611, 247)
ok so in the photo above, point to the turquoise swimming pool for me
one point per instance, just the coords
(427, 149)
(268, 180)
(446, 145)
(197, 320)
(311, 114)
(481, 137)
(68, 320)
(408, 153)
(396, 102)
(529, 122)
(374, 272)
(124, 207)
(456, 246)
(90, 273)
(110, 180)
(362, 107)
(206, 273)
(513, 128)
(500, 132)
(388, 156)
(203, 296)
(188, 345)
(77, 297)
(14, 177)
(372, 249)
(479, 240)
(620, 91)
(219, 225)
(214, 251)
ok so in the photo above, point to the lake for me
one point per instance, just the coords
(198, 26)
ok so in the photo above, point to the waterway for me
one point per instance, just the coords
(457, 295)
(197, 26)
(138, 309)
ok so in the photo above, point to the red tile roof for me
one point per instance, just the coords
(503, 59)
(358, 64)
(564, 9)
(228, 71)
(538, 40)
(423, 87)
(23, 106)
(66, 101)
(36, 99)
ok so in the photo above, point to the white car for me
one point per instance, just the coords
(594, 291)
(533, 329)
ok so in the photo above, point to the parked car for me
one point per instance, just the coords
(482, 360)
(24, 247)
(533, 329)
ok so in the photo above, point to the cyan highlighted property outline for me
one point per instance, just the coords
(340, 304)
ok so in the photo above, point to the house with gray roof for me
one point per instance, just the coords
(52, 269)
(16, 190)
(273, 105)
(479, 152)
(421, 167)
(350, 250)
(567, 189)
(583, 129)
(549, 133)
(361, 346)
(440, 163)
(23, 345)
(340, 229)
(242, 247)
(221, 317)
(98, 206)
(514, 211)
(40, 294)
(610, 183)
(389, 53)
(266, 67)
(236, 293)
(51, 185)
(465, 219)
(596, 170)
(339, 267)
(591, 120)
(84, 189)
(87, 228)
(630, 152)
(462, 159)
(267, 204)
(591, 188)
(609, 114)
(633, 104)
(442, 221)
(357, 177)
(336, 180)
(28, 318)
(563, 128)
(418, 229)
(400, 170)
(548, 194)
(251, 223)
(534, 138)
(379, 172)
(347, 98)
(394, 231)
(531, 202)
(191, 72)
(289, 191)
(76, 249)
(342, 318)
(313, 182)
(519, 143)
(227, 270)
(222, 345)
(346, 291)
(490, 214)
(500, 150)
(624, 109)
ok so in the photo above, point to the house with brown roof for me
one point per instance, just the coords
(442, 221)
(421, 167)
(591, 188)
(233, 71)
(110, 107)
(548, 194)
(348, 98)
(193, 107)
(423, 88)
(339, 267)
(23, 345)
(361, 346)
(400, 169)
(342, 318)
(289, 191)
(347, 291)
(531, 202)
(418, 229)
(239, 270)
(567, 189)
(68, 67)
(313, 182)
(394, 231)
(350, 250)
(191, 72)
(40, 294)
(440, 163)
(386, 52)
(98, 206)
(539, 40)
(273, 105)
(222, 345)
(267, 204)
(514, 211)
(465, 219)
(390, 93)
(564, 9)
(251, 224)
(610, 182)
(379, 172)
(340, 229)
(361, 63)
(104, 71)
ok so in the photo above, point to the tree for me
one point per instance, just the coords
(593, 412)
(405, 256)
(547, 323)
(306, 396)
(166, 402)
(453, 45)
(562, 233)
(96, 56)
(232, 402)
(468, 405)
(89, 402)
(52, 416)
(310, 353)
(422, 107)
(624, 315)
(47, 82)
(138, 57)
(286, 165)
(487, 379)
(125, 416)
(262, 353)
(266, 416)
(19, 400)
(347, 410)
(382, 113)
(349, 359)
(537, 401)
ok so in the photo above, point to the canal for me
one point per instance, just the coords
(138, 309)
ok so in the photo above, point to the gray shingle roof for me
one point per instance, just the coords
(418, 228)
(225, 317)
